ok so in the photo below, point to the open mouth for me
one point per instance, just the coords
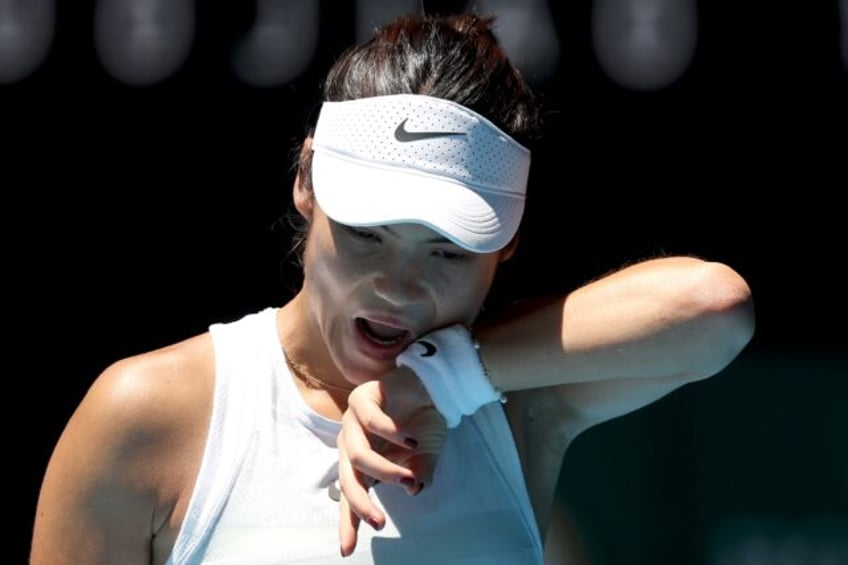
(381, 334)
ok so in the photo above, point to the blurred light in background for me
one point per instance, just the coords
(528, 35)
(280, 45)
(371, 14)
(526, 29)
(143, 42)
(639, 44)
(26, 34)
(644, 44)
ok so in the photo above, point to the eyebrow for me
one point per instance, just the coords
(435, 239)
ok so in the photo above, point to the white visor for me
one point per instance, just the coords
(419, 159)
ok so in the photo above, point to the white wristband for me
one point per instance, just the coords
(449, 366)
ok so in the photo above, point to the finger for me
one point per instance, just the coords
(354, 486)
(355, 446)
(365, 404)
(424, 467)
(430, 427)
(348, 527)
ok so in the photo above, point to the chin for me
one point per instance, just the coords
(368, 370)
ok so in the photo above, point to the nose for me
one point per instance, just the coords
(400, 283)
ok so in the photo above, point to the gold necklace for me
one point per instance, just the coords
(313, 382)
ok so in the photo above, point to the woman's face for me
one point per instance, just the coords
(371, 291)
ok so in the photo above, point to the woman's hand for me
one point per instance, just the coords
(391, 433)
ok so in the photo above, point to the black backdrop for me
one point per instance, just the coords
(138, 215)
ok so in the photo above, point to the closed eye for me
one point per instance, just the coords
(359, 233)
(450, 255)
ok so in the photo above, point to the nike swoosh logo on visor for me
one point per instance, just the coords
(403, 135)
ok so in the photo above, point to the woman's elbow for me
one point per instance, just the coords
(727, 309)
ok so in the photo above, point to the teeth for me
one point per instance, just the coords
(370, 331)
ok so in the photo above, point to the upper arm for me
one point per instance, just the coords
(609, 348)
(112, 471)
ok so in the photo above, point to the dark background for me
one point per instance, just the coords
(138, 215)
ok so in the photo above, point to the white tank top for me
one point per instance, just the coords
(262, 493)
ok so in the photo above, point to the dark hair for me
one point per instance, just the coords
(456, 57)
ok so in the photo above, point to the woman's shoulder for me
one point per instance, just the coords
(158, 405)
(162, 387)
(132, 447)
(143, 409)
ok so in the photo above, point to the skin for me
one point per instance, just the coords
(606, 349)
(118, 493)
(119, 481)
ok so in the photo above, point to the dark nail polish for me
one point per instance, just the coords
(410, 442)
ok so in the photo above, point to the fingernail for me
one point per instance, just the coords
(408, 482)
(420, 488)
(373, 523)
(341, 550)
(411, 442)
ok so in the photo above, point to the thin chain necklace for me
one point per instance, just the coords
(313, 382)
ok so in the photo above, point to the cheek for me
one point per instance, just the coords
(330, 273)
(461, 296)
